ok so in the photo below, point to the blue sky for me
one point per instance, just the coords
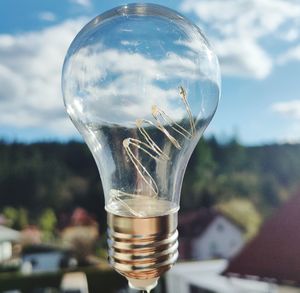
(257, 41)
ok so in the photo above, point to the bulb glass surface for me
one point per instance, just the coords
(141, 83)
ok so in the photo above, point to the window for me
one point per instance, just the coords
(220, 227)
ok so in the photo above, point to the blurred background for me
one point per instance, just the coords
(240, 207)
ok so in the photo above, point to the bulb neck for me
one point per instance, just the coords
(142, 249)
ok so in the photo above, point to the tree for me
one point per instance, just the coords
(47, 223)
(198, 186)
(17, 218)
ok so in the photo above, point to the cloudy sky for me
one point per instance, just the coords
(257, 41)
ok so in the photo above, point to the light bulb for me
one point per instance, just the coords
(141, 83)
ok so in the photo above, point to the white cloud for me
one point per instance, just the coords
(243, 57)
(47, 16)
(84, 3)
(290, 35)
(290, 109)
(236, 17)
(139, 82)
(30, 70)
(239, 26)
(292, 54)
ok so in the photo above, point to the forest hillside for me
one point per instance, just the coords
(246, 182)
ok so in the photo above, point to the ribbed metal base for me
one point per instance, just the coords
(142, 248)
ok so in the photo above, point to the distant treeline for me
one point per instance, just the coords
(62, 176)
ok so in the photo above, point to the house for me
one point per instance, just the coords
(270, 263)
(81, 236)
(207, 277)
(8, 237)
(208, 234)
(274, 255)
(45, 258)
(80, 217)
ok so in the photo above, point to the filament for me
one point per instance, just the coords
(149, 147)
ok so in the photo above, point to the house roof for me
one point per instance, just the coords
(192, 224)
(275, 252)
(42, 248)
(8, 234)
(81, 217)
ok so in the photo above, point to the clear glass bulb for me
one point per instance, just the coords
(141, 83)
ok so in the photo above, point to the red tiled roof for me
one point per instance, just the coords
(275, 252)
(81, 217)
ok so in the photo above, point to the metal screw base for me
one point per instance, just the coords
(142, 248)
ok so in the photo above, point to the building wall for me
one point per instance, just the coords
(222, 239)
(5, 250)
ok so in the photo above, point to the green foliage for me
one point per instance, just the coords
(22, 218)
(47, 222)
(17, 217)
(199, 186)
(61, 177)
(48, 175)
(11, 215)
